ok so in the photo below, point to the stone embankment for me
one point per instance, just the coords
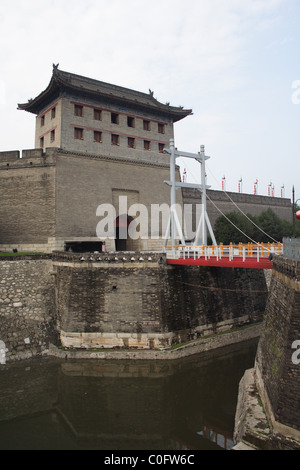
(118, 304)
(268, 411)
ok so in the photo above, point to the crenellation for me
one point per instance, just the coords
(9, 156)
(32, 153)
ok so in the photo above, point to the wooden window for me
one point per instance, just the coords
(97, 114)
(78, 133)
(97, 136)
(114, 118)
(161, 147)
(130, 121)
(146, 125)
(42, 121)
(78, 110)
(53, 112)
(114, 139)
(42, 142)
(147, 145)
(131, 142)
(161, 128)
(52, 136)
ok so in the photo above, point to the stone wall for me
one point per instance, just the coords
(84, 183)
(27, 193)
(27, 307)
(144, 303)
(137, 302)
(278, 375)
(51, 198)
(48, 199)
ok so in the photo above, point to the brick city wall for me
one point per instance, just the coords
(27, 192)
(141, 303)
(102, 181)
(248, 203)
(50, 198)
(280, 377)
(125, 303)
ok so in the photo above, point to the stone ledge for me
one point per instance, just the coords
(252, 427)
(195, 347)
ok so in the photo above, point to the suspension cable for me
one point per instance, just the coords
(253, 241)
(250, 220)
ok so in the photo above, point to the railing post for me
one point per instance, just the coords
(240, 249)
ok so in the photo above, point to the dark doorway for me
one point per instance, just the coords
(123, 242)
(83, 247)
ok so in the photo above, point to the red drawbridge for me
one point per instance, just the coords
(251, 256)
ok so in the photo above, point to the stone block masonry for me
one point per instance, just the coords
(278, 375)
(27, 307)
(273, 385)
(27, 192)
(125, 300)
(106, 303)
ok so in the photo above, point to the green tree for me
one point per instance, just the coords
(226, 232)
(264, 228)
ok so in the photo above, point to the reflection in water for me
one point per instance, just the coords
(118, 405)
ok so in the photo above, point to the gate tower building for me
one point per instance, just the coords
(94, 142)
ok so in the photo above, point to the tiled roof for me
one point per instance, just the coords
(77, 84)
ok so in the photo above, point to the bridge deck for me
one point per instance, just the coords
(231, 256)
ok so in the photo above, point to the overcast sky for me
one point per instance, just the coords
(234, 62)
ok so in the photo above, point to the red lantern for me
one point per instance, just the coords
(298, 215)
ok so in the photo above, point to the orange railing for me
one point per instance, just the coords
(252, 250)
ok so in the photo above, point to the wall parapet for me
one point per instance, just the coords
(30, 157)
(287, 266)
(291, 248)
(110, 257)
(9, 156)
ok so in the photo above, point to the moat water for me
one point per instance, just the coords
(123, 405)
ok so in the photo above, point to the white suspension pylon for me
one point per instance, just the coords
(204, 222)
